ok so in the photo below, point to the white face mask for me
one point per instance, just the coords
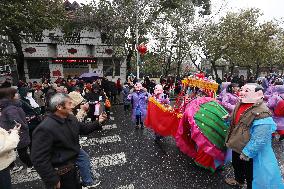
(29, 95)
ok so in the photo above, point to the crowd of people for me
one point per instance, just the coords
(35, 115)
(43, 122)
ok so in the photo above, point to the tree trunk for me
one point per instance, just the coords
(257, 69)
(214, 68)
(232, 67)
(194, 62)
(178, 68)
(113, 67)
(128, 62)
(16, 40)
(271, 67)
(168, 66)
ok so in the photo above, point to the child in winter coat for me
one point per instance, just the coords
(139, 99)
(125, 93)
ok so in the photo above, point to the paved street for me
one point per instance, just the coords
(127, 158)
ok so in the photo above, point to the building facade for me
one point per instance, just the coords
(53, 55)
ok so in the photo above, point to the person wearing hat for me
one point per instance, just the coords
(80, 108)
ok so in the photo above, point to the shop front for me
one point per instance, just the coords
(71, 67)
(36, 69)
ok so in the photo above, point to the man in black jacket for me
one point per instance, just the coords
(56, 144)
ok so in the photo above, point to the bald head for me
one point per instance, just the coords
(251, 92)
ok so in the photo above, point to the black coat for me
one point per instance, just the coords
(11, 110)
(56, 143)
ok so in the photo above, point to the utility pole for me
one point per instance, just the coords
(138, 55)
(137, 39)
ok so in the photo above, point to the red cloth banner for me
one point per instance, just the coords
(163, 122)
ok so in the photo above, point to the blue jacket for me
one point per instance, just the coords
(266, 172)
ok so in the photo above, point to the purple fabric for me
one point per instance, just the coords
(265, 84)
(279, 89)
(223, 90)
(229, 101)
(139, 99)
(269, 92)
(271, 103)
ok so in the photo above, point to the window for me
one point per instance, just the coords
(37, 68)
(108, 67)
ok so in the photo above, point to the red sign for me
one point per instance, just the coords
(56, 73)
(72, 51)
(61, 61)
(30, 50)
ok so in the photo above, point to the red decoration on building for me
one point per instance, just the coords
(56, 73)
(30, 50)
(142, 49)
(72, 51)
(109, 51)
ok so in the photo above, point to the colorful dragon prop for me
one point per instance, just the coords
(198, 127)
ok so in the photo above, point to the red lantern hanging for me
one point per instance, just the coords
(142, 49)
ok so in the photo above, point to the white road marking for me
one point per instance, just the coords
(108, 160)
(130, 186)
(111, 118)
(103, 140)
(111, 113)
(109, 127)
(99, 162)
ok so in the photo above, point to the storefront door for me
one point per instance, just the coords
(74, 69)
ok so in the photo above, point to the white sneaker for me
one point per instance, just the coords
(31, 169)
(16, 169)
(96, 183)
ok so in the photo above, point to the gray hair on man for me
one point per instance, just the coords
(56, 100)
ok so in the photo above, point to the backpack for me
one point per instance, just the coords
(279, 109)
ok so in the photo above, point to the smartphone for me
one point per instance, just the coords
(102, 108)
(17, 124)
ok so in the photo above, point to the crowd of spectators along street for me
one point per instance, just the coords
(35, 114)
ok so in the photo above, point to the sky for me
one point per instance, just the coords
(271, 8)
